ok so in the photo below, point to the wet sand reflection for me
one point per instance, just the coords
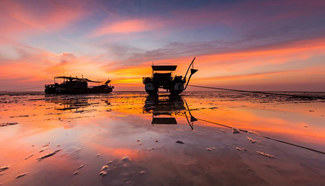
(200, 138)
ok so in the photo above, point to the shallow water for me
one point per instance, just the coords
(186, 140)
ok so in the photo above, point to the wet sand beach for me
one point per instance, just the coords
(129, 138)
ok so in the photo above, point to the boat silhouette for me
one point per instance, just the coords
(162, 78)
(75, 85)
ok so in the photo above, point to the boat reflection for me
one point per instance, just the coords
(68, 103)
(164, 108)
(76, 103)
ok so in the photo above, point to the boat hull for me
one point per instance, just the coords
(59, 90)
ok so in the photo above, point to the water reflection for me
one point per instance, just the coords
(164, 108)
(68, 103)
(114, 130)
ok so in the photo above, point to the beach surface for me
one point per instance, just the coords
(129, 138)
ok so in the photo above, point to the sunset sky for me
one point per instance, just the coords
(251, 45)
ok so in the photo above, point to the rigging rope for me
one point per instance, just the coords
(259, 92)
(246, 131)
(270, 138)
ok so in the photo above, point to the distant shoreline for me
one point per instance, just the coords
(137, 91)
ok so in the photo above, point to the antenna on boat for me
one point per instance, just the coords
(191, 65)
(192, 72)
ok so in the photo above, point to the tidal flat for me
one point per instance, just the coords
(129, 138)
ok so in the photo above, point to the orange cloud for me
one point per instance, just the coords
(128, 26)
(291, 64)
(251, 67)
(303, 75)
(36, 67)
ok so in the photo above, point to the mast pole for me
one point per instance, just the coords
(189, 68)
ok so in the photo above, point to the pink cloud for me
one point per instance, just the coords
(127, 26)
(17, 19)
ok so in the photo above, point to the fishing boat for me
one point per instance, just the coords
(162, 78)
(75, 85)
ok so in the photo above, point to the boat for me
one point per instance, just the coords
(162, 78)
(75, 85)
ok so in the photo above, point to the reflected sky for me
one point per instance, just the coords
(92, 130)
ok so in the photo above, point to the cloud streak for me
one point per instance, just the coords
(126, 27)
(21, 19)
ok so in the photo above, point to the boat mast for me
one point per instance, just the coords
(189, 68)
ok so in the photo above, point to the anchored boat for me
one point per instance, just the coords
(162, 78)
(75, 85)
